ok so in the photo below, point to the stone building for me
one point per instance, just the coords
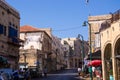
(66, 49)
(95, 23)
(74, 51)
(36, 50)
(109, 36)
(58, 53)
(9, 34)
(69, 47)
(110, 46)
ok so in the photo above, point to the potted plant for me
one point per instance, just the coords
(111, 74)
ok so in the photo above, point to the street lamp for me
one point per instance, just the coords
(79, 35)
(85, 24)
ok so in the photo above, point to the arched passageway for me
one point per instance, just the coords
(117, 55)
(108, 61)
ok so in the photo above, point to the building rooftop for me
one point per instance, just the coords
(28, 28)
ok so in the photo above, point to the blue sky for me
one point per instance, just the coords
(65, 17)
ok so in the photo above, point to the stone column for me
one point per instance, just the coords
(114, 64)
(103, 66)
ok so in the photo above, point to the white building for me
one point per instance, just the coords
(71, 53)
(36, 47)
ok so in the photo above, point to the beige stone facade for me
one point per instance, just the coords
(109, 30)
(30, 60)
(57, 53)
(95, 23)
(73, 51)
(9, 33)
(110, 40)
(71, 61)
(38, 43)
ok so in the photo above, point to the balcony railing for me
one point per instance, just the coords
(115, 16)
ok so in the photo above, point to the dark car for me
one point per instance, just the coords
(6, 73)
(35, 72)
(21, 75)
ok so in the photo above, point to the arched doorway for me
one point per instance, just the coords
(117, 55)
(108, 61)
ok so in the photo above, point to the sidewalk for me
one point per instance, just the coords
(88, 78)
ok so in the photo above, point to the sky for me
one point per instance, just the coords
(64, 17)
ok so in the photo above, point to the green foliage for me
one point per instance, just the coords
(111, 72)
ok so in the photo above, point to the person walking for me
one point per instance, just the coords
(93, 71)
(45, 72)
(79, 71)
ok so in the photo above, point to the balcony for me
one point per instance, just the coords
(14, 41)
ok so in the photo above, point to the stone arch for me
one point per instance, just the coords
(106, 58)
(116, 46)
(115, 40)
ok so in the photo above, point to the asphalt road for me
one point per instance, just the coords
(68, 74)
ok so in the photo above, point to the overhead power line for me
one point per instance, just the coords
(67, 29)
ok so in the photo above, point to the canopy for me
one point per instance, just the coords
(95, 56)
(95, 63)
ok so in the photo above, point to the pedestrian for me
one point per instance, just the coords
(45, 72)
(97, 74)
(93, 71)
(90, 71)
(79, 71)
(86, 69)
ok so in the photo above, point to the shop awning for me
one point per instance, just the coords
(95, 56)
(95, 63)
(118, 57)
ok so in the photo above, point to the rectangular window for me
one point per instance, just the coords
(13, 34)
(1, 29)
(5, 30)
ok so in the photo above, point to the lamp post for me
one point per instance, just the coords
(79, 35)
(85, 24)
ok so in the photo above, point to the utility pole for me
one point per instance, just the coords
(79, 35)
(85, 24)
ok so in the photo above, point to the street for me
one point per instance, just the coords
(68, 74)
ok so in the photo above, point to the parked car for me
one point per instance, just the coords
(35, 72)
(21, 75)
(6, 73)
